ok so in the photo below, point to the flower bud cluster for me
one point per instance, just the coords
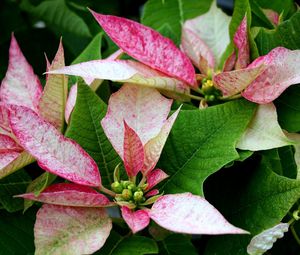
(211, 93)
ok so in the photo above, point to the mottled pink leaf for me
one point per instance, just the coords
(69, 194)
(154, 147)
(20, 85)
(233, 82)
(7, 143)
(53, 101)
(71, 101)
(148, 46)
(152, 193)
(6, 157)
(241, 41)
(143, 109)
(133, 151)
(55, 153)
(187, 213)
(230, 62)
(282, 70)
(136, 220)
(195, 48)
(70, 230)
(155, 177)
(272, 16)
(4, 121)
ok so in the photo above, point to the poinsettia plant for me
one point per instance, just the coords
(187, 126)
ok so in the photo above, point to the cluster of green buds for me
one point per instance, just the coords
(210, 92)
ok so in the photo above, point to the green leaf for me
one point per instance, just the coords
(92, 51)
(287, 34)
(37, 186)
(85, 129)
(201, 142)
(254, 200)
(134, 245)
(14, 184)
(288, 109)
(177, 245)
(177, 11)
(16, 233)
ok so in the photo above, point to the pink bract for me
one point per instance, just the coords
(20, 85)
(155, 177)
(54, 152)
(69, 194)
(136, 220)
(148, 46)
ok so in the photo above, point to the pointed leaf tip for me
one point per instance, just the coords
(133, 151)
(190, 214)
(20, 85)
(137, 220)
(148, 46)
(54, 152)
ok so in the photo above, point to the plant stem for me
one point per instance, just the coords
(107, 191)
(142, 181)
(231, 97)
(195, 97)
(295, 234)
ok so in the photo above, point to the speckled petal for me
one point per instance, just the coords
(143, 109)
(7, 143)
(71, 101)
(240, 39)
(282, 71)
(63, 230)
(53, 100)
(273, 16)
(195, 48)
(69, 194)
(133, 151)
(155, 177)
(190, 214)
(6, 157)
(137, 220)
(4, 121)
(54, 152)
(154, 147)
(233, 82)
(20, 85)
(148, 46)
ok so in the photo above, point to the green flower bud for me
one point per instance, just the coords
(127, 194)
(125, 184)
(132, 187)
(210, 98)
(138, 196)
(117, 187)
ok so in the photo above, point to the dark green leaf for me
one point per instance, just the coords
(201, 142)
(287, 34)
(11, 185)
(172, 13)
(177, 245)
(253, 200)
(16, 233)
(85, 128)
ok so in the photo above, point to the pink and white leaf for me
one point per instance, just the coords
(241, 41)
(155, 177)
(53, 100)
(148, 46)
(282, 71)
(264, 241)
(22, 159)
(264, 131)
(4, 121)
(154, 147)
(71, 101)
(69, 194)
(229, 62)
(133, 151)
(9, 144)
(233, 82)
(54, 152)
(144, 110)
(273, 16)
(190, 214)
(212, 29)
(20, 85)
(195, 48)
(136, 220)
(70, 230)
(152, 193)
(6, 157)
